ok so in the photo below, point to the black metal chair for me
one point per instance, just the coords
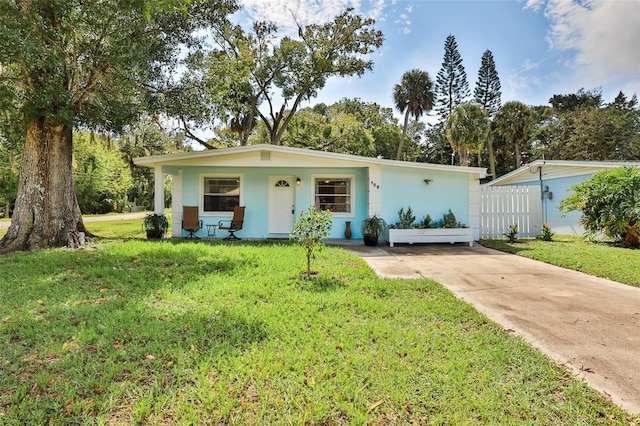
(234, 225)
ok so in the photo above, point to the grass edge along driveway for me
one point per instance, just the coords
(598, 258)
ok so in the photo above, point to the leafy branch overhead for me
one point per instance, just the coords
(258, 76)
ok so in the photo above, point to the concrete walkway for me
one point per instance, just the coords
(589, 324)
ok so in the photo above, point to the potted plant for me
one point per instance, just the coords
(156, 225)
(372, 227)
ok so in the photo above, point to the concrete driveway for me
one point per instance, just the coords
(589, 324)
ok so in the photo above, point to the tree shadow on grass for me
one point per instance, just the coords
(133, 270)
(82, 325)
(90, 353)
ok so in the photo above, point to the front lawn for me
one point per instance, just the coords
(601, 259)
(175, 332)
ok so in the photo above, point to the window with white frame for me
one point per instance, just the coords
(221, 193)
(334, 194)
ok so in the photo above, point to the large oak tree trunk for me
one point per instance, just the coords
(46, 212)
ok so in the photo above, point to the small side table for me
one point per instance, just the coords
(211, 231)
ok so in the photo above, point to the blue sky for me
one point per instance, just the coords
(541, 47)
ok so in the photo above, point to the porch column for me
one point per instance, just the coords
(158, 205)
(374, 186)
(474, 205)
(176, 204)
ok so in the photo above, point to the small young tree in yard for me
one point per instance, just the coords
(610, 203)
(310, 228)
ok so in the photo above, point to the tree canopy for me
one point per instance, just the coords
(488, 95)
(452, 87)
(581, 127)
(514, 122)
(349, 126)
(68, 64)
(266, 77)
(413, 96)
(487, 92)
(467, 130)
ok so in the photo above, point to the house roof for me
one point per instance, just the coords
(550, 169)
(261, 155)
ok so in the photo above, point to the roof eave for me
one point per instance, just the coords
(157, 160)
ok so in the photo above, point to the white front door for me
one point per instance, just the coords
(281, 204)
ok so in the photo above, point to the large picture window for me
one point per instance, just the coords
(221, 194)
(333, 194)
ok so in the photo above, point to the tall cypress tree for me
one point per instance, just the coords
(452, 88)
(487, 94)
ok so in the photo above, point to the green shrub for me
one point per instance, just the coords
(545, 233)
(426, 222)
(310, 228)
(405, 218)
(449, 220)
(512, 231)
(610, 203)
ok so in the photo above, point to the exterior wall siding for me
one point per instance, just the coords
(551, 214)
(560, 189)
(402, 188)
(254, 193)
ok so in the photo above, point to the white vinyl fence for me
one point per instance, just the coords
(502, 206)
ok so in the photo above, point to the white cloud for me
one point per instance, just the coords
(282, 12)
(534, 4)
(603, 34)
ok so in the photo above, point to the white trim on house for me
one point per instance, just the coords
(158, 202)
(201, 179)
(282, 158)
(474, 207)
(553, 169)
(176, 204)
(352, 191)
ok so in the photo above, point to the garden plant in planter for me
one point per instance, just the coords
(156, 225)
(372, 227)
(447, 230)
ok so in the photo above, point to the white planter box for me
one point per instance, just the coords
(431, 235)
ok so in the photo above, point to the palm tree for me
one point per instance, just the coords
(467, 129)
(514, 122)
(413, 96)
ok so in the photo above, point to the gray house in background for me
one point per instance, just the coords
(555, 178)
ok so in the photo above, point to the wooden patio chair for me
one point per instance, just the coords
(233, 225)
(190, 221)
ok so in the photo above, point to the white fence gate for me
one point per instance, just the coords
(502, 206)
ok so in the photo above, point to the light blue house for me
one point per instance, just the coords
(276, 183)
(555, 178)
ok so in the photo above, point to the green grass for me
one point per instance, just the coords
(118, 229)
(113, 229)
(601, 259)
(175, 332)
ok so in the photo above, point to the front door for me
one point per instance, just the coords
(281, 204)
